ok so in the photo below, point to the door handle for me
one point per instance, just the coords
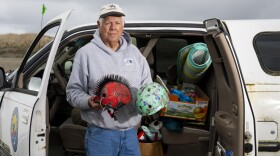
(223, 118)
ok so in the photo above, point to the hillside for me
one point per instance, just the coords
(15, 45)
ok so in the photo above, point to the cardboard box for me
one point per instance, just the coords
(151, 149)
(196, 110)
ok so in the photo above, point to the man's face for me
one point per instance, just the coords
(111, 29)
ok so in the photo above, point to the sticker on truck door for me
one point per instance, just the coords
(14, 129)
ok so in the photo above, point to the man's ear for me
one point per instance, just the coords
(98, 23)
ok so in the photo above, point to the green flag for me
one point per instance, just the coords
(43, 9)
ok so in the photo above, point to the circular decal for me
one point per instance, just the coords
(14, 129)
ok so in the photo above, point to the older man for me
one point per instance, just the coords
(110, 52)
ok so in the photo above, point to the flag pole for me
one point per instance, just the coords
(42, 21)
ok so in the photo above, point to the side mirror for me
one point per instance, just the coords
(2, 77)
(34, 84)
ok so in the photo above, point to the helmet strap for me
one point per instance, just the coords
(100, 103)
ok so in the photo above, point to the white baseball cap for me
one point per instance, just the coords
(110, 9)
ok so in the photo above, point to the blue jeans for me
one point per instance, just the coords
(107, 142)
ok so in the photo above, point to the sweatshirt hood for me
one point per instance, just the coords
(125, 41)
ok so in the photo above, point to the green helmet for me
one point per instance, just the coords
(151, 98)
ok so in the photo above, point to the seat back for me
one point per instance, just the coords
(150, 59)
(72, 137)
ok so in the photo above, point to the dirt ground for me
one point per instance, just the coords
(10, 63)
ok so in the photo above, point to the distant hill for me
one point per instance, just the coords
(15, 45)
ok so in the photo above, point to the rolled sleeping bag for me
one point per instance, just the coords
(192, 62)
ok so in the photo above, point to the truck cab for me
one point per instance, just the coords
(242, 84)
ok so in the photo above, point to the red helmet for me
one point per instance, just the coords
(113, 91)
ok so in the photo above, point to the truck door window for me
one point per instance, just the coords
(267, 47)
(32, 74)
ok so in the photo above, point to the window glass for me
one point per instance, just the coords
(167, 51)
(14, 46)
(267, 47)
(33, 74)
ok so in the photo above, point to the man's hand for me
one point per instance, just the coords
(93, 103)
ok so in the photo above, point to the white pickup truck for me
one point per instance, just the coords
(242, 83)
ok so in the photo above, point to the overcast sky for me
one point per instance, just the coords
(23, 16)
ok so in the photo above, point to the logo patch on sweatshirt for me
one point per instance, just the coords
(128, 61)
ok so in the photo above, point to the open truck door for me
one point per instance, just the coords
(234, 123)
(23, 106)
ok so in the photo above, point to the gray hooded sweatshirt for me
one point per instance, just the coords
(95, 60)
